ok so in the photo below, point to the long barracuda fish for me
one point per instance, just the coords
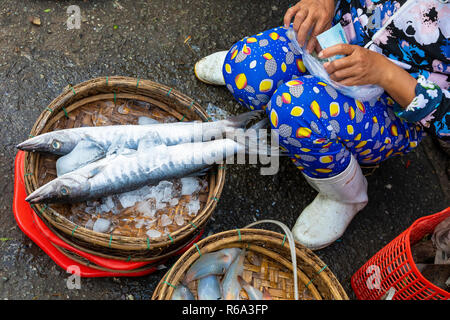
(62, 142)
(150, 164)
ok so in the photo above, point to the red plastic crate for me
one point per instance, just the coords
(393, 266)
(40, 234)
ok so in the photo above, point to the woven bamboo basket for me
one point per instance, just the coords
(86, 262)
(76, 107)
(268, 264)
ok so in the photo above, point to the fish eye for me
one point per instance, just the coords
(56, 144)
(64, 191)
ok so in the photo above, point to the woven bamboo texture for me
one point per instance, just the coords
(75, 107)
(267, 265)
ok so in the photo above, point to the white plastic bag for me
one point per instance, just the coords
(368, 93)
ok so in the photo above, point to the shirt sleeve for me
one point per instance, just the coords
(430, 108)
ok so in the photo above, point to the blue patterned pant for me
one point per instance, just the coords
(318, 126)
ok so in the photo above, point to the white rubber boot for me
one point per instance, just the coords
(339, 199)
(209, 68)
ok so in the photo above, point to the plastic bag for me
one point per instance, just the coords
(368, 93)
(441, 239)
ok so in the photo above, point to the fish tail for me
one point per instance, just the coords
(260, 124)
(241, 120)
(253, 139)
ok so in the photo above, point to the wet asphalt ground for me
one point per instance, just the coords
(146, 39)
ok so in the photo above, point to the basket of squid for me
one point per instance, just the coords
(249, 264)
(117, 118)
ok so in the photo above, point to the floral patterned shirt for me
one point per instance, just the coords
(415, 35)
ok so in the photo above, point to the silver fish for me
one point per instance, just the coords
(84, 153)
(209, 288)
(230, 284)
(253, 293)
(62, 142)
(213, 263)
(182, 293)
(151, 164)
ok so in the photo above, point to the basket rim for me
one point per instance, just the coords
(117, 241)
(237, 236)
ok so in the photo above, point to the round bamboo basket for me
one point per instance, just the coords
(86, 262)
(268, 264)
(73, 108)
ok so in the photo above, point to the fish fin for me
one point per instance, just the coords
(241, 120)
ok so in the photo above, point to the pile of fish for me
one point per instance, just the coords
(219, 276)
(100, 161)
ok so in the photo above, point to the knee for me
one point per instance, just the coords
(294, 101)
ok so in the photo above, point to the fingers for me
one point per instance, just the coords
(320, 26)
(352, 81)
(313, 44)
(318, 48)
(335, 65)
(304, 29)
(299, 18)
(343, 74)
(344, 49)
(290, 13)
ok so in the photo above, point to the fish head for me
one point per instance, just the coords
(55, 142)
(230, 254)
(66, 188)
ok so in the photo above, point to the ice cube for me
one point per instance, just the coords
(190, 185)
(152, 233)
(128, 199)
(193, 206)
(179, 220)
(165, 188)
(107, 205)
(89, 224)
(146, 120)
(145, 192)
(90, 210)
(102, 209)
(165, 220)
(162, 192)
(146, 209)
(174, 202)
(101, 225)
(115, 210)
(109, 202)
(160, 205)
(139, 223)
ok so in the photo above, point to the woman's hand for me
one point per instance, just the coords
(362, 66)
(315, 15)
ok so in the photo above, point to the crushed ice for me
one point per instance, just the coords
(146, 202)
